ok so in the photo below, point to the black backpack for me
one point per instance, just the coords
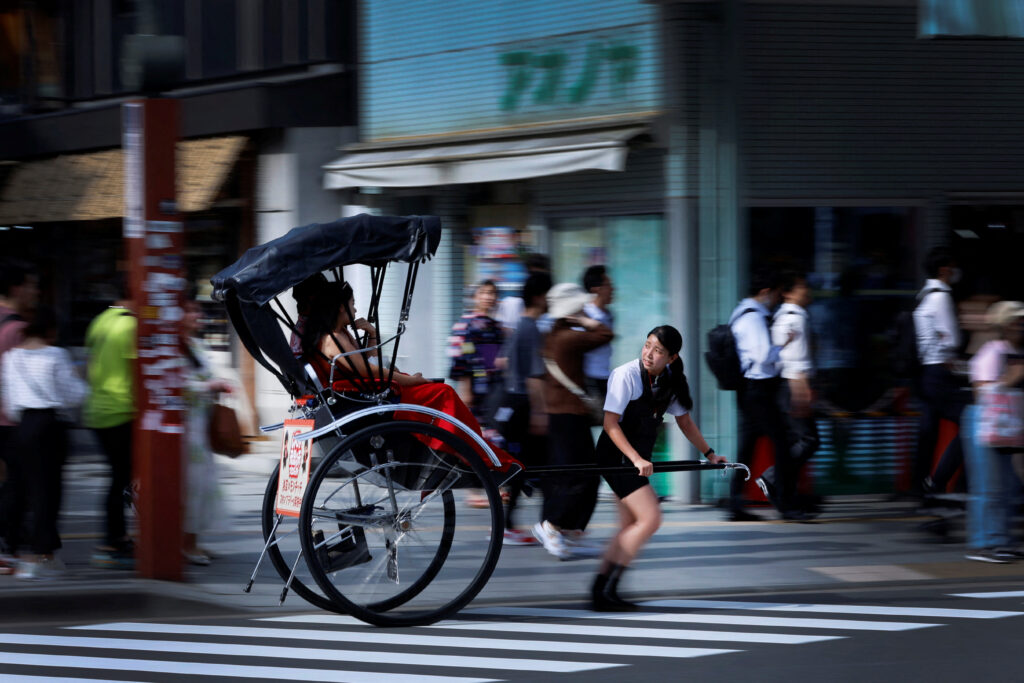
(906, 361)
(722, 357)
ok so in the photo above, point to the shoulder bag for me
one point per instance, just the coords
(595, 408)
(225, 434)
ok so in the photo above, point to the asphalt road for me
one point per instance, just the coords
(951, 631)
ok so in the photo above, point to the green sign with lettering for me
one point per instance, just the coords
(559, 77)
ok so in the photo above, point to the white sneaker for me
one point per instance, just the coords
(552, 540)
(40, 570)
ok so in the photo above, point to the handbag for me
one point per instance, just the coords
(595, 408)
(225, 434)
(1001, 419)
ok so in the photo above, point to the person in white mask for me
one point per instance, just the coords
(944, 393)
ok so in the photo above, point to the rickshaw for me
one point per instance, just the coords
(380, 535)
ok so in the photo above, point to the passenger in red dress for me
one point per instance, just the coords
(328, 332)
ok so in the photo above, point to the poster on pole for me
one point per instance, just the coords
(293, 475)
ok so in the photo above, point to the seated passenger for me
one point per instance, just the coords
(326, 335)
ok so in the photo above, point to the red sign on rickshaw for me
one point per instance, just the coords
(293, 474)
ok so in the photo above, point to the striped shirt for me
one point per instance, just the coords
(39, 379)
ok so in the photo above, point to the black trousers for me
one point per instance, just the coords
(760, 415)
(802, 441)
(529, 449)
(8, 473)
(41, 443)
(116, 443)
(569, 501)
(944, 396)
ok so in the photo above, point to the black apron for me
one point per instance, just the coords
(641, 420)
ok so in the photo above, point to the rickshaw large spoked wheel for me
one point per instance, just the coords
(381, 529)
(284, 548)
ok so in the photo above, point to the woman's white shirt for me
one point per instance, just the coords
(39, 379)
(626, 384)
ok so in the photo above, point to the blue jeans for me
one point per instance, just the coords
(991, 482)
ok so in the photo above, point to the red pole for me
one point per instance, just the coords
(154, 235)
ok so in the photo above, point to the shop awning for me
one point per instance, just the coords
(83, 187)
(481, 161)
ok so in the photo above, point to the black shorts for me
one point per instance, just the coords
(621, 484)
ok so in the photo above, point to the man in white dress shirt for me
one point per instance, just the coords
(796, 368)
(758, 395)
(943, 393)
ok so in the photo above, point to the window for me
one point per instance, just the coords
(862, 265)
(637, 273)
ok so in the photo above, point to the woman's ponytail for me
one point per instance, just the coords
(673, 343)
(680, 385)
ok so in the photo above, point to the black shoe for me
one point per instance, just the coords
(796, 516)
(987, 555)
(602, 602)
(742, 515)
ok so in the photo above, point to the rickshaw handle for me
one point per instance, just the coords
(669, 466)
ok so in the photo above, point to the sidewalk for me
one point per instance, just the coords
(856, 541)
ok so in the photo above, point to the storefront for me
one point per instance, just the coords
(526, 128)
(838, 139)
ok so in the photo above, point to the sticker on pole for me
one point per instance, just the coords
(293, 475)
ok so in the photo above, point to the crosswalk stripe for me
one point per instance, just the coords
(634, 632)
(236, 670)
(994, 594)
(380, 638)
(669, 617)
(234, 650)
(28, 678)
(874, 610)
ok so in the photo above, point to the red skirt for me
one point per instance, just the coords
(440, 396)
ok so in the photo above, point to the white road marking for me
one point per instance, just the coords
(633, 632)
(995, 594)
(235, 650)
(236, 670)
(874, 610)
(676, 618)
(385, 638)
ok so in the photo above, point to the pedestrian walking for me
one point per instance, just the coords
(597, 364)
(757, 396)
(203, 499)
(640, 393)
(522, 416)
(40, 388)
(110, 413)
(19, 291)
(569, 500)
(943, 392)
(996, 370)
(510, 308)
(791, 331)
(475, 346)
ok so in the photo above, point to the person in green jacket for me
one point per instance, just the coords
(110, 412)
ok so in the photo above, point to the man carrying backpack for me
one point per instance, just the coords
(757, 393)
(943, 393)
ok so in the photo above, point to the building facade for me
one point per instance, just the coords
(266, 92)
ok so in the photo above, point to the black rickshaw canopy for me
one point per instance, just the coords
(266, 270)
(250, 285)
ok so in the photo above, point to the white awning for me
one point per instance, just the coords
(481, 162)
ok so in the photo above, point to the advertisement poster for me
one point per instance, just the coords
(294, 471)
(497, 258)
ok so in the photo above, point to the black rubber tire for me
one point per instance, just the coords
(384, 612)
